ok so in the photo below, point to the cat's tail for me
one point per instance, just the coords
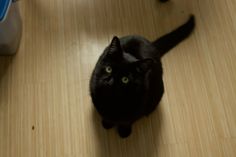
(170, 40)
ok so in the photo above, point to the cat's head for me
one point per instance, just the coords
(118, 75)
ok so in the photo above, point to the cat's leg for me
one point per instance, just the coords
(163, 0)
(124, 130)
(106, 124)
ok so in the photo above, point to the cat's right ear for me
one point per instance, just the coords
(114, 46)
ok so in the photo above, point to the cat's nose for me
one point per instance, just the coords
(110, 81)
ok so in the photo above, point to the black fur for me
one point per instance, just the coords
(163, 0)
(133, 58)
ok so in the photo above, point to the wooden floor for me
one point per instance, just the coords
(45, 108)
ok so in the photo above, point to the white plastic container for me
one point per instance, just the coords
(10, 27)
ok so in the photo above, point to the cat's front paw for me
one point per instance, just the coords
(107, 125)
(124, 131)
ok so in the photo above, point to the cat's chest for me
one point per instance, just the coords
(118, 110)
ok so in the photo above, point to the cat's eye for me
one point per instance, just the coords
(108, 69)
(125, 80)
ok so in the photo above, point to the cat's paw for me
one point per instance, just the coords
(107, 125)
(124, 131)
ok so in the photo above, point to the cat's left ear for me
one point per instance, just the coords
(144, 65)
(115, 45)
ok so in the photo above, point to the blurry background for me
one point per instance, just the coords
(45, 108)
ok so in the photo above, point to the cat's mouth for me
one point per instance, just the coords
(108, 81)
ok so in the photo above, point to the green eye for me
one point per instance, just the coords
(108, 69)
(125, 80)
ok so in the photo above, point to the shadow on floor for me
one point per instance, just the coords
(5, 62)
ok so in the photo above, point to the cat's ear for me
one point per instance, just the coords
(115, 45)
(144, 65)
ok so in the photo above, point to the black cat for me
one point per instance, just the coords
(126, 83)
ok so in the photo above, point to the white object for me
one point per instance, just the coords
(10, 30)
